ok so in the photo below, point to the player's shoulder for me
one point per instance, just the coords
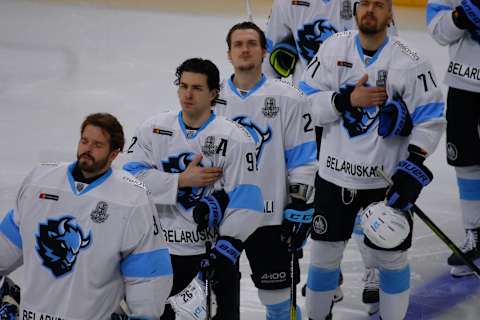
(338, 42)
(231, 129)
(282, 88)
(46, 169)
(161, 122)
(405, 55)
(131, 190)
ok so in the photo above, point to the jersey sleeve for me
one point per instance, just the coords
(244, 212)
(315, 84)
(425, 102)
(162, 186)
(145, 265)
(277, 29)
(300, 145)
(440, 22)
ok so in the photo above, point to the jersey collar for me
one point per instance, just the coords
(257, 86)
(358, 45)
(184, 128)
(91, 186)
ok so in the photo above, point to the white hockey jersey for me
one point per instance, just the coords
(278, 118)
(351, 149)
(463, 46)
(163, 147)
(311, 22)
(85, 247)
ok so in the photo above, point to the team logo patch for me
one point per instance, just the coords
(188, 196)
(99, 214)
(382, 78)
(320, 225)
(452, 152)
(209, 147)
(48, 196)
(346, 12)
(359, 121)
(59, 242)
(270, 108)
(259, 135)
(311, 36)
(79, 186)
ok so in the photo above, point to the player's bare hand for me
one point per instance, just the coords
(364, 97)
(197, 176)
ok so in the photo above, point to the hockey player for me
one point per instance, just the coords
(87, 235)
(213, 181)
(277, 116)
(9, 299)
(456, 24)
(381, 108)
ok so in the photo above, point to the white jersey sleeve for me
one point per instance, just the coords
(145, 266)
(245, 207)
(163, 186)
(440, 21)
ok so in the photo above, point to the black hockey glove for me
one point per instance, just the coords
(8, 312)
(9, 299)
(209, 211)
(221, 260)
(394, 119)
(408, 180)
(297, 223)
(467, 15)
(284, 57)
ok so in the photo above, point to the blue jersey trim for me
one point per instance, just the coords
(135, 167)
(281, 311)
(91, 186)
(269, 45)
(395, 281)
(246, 196)
(300, 155)
(184, 128)
(307, 89)
(10, 229)
(377, 53)
(469, 189)
(147, 264)
(257, 86)
(322, 280)
(433, 9)
(428, 111)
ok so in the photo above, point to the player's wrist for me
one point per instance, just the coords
(342, 101)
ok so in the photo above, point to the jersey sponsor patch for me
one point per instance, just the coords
(48, 196)
(134, 181)
(32, 315)
(270, 108)
(406, 50)
(345, 64)
(300, 3)
(161, 131)
(352, 169)
(99, 214)
(59, 242)
(464, 71)
(189, 236)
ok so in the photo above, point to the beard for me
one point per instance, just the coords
(91, 165)
(248, 67)
(373, 28)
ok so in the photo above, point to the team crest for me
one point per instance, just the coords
(209, 147)
(312, 36)
(359, 121)
(320, 225)
(346, 12)
(260, 136)
(80, 186)
(59, 242)
(382, 78)
(187, 196)
(270, 108)
(99, 214)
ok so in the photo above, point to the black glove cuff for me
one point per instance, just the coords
(341, 101)
(416, 154)
(460, 19)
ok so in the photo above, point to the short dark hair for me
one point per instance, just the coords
(202, 66)
(243, 26)
(109, 124)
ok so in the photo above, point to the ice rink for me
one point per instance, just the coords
(60, 62)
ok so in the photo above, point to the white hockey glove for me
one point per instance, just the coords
(191, 302)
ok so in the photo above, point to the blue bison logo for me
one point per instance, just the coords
(187, 196)
(358, 121)
(312, 36)
(259, 136)
(59, 242)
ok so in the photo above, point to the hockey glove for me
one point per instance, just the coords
(297, 223)
(408, 180)
(209, 211)
(467, 15)
(222, 259)
(8, 312)
(284, 56)
(394, 119)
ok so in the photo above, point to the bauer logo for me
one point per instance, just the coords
(99, 214)
(320, 224)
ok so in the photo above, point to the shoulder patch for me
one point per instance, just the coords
(50, 164)
(161, 131)
(134, 181)
(300, 3)
(406, 50)
(289, 84)
(341, 34)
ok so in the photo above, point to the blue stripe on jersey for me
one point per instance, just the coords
(300, 155)
(395, 281)
(91, 186)
(10, 229)
(307, 89)
(184, 129)
(135, 167)
(246, 196)
(433, 9)
(428, 111)
(257, 86)
(269, 45)
(322, 280)
(147, 264)
(281, 311)
(469, 189)
(357, 228)
(377, 53)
